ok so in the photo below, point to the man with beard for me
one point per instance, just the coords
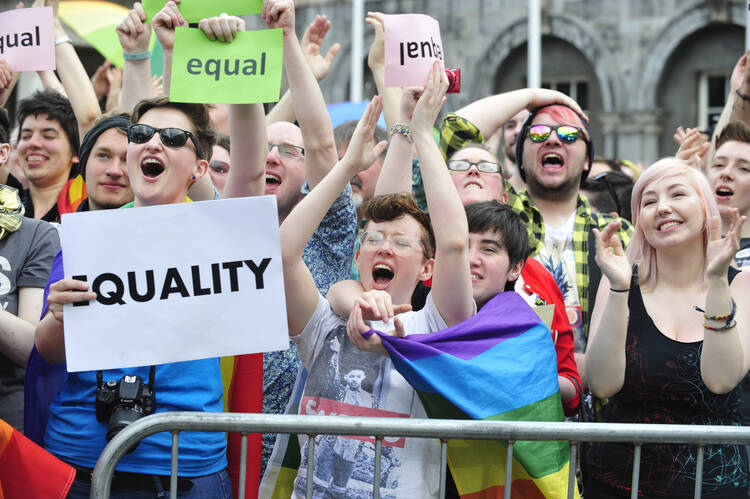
(554, 152)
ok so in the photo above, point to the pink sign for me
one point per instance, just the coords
(27, 40)
(412, 45)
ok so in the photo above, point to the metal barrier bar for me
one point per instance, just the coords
(175, 461)
(699, 472)
(310, 464)
(243, 465)
(636, 471)
(376, 474)
(572, 469)
(398, 427)
(443, 464)
(508, 468)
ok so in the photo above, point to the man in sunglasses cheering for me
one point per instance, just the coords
(554, 152)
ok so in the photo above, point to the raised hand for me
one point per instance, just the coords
(67, 291)
(312, 43)
(376, 56)
(6, 74)
(363, 150)
(738, 73)
(691, 150)
(223, 28)
(720, 251)
(538, 97)
(432, 99)
(279, 14)
(165, 21)
(409, 98)
(610, 256)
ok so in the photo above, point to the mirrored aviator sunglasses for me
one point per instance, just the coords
(172, 137)
(566, 133)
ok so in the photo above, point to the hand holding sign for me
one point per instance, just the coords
(67, 291)
(222, 28)
(133, 32)
(164, 23)
(279, 14)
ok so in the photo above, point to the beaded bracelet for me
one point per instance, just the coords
(728, 318)
(725, 327)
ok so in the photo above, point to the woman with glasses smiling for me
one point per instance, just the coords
(169, 145)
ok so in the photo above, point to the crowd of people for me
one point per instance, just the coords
(403, 230)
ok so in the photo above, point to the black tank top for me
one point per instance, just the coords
(663, 385)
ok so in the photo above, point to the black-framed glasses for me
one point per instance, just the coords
(172, 137)
(462, 165)
(566, 133)
(288, 150)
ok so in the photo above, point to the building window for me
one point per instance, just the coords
(576, 88)
(713, 89)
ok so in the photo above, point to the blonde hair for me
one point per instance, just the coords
(639, 250)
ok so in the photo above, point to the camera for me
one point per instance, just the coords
(120, 403)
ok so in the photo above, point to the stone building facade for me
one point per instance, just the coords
(640, 68)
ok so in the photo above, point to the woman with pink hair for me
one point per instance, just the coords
(667, 343)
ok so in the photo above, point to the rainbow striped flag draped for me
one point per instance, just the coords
(27, 470)
(498, 365)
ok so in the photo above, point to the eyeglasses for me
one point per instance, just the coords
(566, 133)
(288, 150)
(400, 244)
(462, 165)
(172, 137)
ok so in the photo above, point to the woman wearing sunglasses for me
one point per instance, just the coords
(668, 341)
(169, 145)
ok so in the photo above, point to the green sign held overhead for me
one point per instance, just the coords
(195, 10)
(245, 71)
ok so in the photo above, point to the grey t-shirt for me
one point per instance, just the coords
(26, 257)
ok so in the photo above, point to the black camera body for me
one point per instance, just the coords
(120, 403)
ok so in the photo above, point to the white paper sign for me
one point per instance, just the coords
(175, 282)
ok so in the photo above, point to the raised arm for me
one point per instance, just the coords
(135, 35)
(312, 44)
(247, 125)
(451, 279)
(605, 351)
(725, 356)
(164, 22)
(490, 113)
(309, 105)
(74, 78)
(299, 225)
(7, 81)
(376, 63)
(395, 176)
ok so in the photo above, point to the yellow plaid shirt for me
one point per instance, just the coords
(457, 131)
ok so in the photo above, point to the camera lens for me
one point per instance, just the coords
(120, 418)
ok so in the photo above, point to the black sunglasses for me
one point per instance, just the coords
(172, 137)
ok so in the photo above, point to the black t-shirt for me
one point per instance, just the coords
(742, 257)
(663, 385)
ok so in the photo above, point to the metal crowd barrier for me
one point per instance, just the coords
(442, 429)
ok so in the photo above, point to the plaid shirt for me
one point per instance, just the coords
(456, 132)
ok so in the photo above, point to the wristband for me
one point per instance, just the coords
(403, 130)
(728, 318)
(63, 39)
(619, 290)
(136, 56)
(725, 327)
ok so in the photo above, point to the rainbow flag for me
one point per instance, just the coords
(498, 365)
(27, 470)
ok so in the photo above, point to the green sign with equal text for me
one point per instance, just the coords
(195, 10)
(245, 71)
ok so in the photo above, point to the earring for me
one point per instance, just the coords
(193, 177)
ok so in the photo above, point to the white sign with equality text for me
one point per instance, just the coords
(174, 283)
